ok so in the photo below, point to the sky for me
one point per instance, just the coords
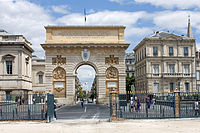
(142, 18)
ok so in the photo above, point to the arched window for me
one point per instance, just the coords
(40, 76)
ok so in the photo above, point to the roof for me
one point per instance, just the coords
(3, 32)
(164, 34)
(86, 26)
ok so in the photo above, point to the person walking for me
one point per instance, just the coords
(196, 107)
(82, 101)
(55, 111)
(131, 105)
(138, 105)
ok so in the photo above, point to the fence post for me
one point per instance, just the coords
(50, 107)
(111, 111)
(177, 102)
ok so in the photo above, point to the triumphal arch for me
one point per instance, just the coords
(69, 47)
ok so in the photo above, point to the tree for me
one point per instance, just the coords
(129, 82)
(81, 93)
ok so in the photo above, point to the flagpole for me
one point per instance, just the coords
(85, 15)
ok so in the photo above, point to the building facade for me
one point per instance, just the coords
(15, 64)
(130, 64)
(198, 70)
(165, 62)
(38, 75)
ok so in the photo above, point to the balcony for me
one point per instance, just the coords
(176, 75)
(172, 75)
(156, 74)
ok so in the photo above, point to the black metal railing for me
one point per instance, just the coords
(157, 105)
(25, 107)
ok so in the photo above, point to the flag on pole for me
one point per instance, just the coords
(85, 14)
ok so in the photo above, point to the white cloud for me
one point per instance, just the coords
(117, 1)
(64, 9)
(176, 20)
(23, 17)
(169, 4)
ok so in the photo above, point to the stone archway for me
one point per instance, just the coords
(68, 47)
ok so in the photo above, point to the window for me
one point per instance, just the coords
(40, 79)
(9, 67)
(171, 85)
(171, 51)
(127, 68)
(155, 51)
(198, 75)
(127, 74)
(187, 87)
(156, 87)
(185, 51)
(155, 69)
(171, 68)
(197, 64)
(186, 68)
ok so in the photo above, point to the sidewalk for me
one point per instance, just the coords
(94, 126)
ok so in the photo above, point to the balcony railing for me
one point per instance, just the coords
(176, 74)
(155, 74)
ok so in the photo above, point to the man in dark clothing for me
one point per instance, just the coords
(55, 110)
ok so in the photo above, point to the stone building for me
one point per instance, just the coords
(130, 64)
(69, 47)
(38, 75)
(164, 62)
(198, 70)
(15, 64)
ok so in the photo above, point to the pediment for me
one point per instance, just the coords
(171, 37)
(8, 57)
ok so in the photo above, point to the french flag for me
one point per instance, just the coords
(85, 14)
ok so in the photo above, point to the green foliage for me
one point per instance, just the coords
(129, 81)
(81, 94)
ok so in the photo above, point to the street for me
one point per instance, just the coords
(89, 111)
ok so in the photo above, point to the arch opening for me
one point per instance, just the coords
(85, 83)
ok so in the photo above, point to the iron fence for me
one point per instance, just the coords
(25, 107)
(157, 105)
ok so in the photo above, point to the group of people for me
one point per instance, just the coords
(134, 104)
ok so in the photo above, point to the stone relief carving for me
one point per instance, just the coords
(59, 60)
(111, 73)
(112, 60)
(59, 89)
(59, 73)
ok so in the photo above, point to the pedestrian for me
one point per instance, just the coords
(153, 102)
(196, 107)
(131, 105)
(33, 100)
(55, 110)
(138, 105)
(82, 101)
